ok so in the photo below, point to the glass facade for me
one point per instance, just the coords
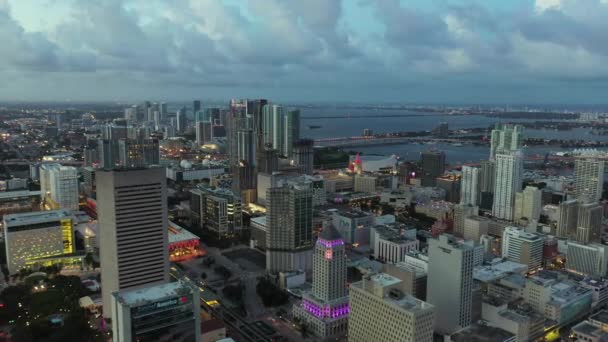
(171, 319)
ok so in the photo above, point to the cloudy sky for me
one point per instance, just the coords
(409, 51)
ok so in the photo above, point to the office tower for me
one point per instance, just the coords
(461, 212)
(108, 153)
(475, 227)
(277, 115)
(204, 132)
(89, 184)
(506, 139)
(324, 310)
(255, 110)
(522, 247)
(163, 111)
(380, 311)
(133, 242)
(451, 185)
(303, 155)
(269, 162)
(289, 219)
(59, 186)
(567, 219)
(131, 114)
(589, 223)
(292, 131)
(218, 210)
(589, 179)
(591, 259)
(365, 184)
(528, 204)
(196, 106)
(246, 146)
(133, 153)
(181, 120)
(40, 237)
(487, 181)
(450, 283)
(164, 312)
(433, 166)
(509, 178)
(469, 186)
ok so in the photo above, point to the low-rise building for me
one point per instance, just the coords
(354, 226)
(391, 245)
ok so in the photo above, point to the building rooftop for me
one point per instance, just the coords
(260, 220)
(179, 234)
(586, 328)
(479, 333)
(601, 317)
(353, 214)
(11, 195)
(152, 294)
(392, 234)
(384, 279)
(330, 233)
(22, 219)
(494, 271)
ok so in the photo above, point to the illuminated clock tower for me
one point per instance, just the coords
(325, 309)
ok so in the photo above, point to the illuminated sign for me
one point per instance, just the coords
(68, 236)
(328, 254)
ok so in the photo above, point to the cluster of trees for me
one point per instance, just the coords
(270, 294)
(30, 311)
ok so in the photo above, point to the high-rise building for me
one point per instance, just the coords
(218, 210)
(450, 283)
(164, 312)
(59, 186)
(487, 181)
(528, 204)
(131, 114)
(133, 241)
(269, 162)
(289, 236)
(589, 224)
(324, 310)
(506, 139)
(509, 178)
(461, 212)
(246, 146)
(451, 185)
(38, 237)
(292, 131)
(196, 106)
(303, 155)
(180, 119)
(433, 166)
(469, 186)
(203, 127)
(138, 153)
(163, 111)
(380, 311)
(567, 219)
(522, 247)
(589, 179)
(591, 259)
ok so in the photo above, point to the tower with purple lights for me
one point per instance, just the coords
(324, 310)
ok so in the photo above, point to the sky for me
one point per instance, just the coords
(372, 51)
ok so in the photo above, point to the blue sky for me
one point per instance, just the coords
(375, 51)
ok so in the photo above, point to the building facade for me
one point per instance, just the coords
(509, 178)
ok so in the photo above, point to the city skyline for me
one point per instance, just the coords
(543, 51)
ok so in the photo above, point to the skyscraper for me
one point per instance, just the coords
(567, 219)
(380, 311)
(505, 139)
(292, 131)
(589, 224)
(469, 188)
(219, 210)
(325, 309)
(289, 236)
(133, 242)
(450, 283)
(487, 181)
(509, 178)
(461, 212)
(246, 146)
(589, 179)
(181, 120)
(433, 166)
(303, 155)
(528, 204)
(163, 111)
(59, 186)
(196, 106)
(591, 259)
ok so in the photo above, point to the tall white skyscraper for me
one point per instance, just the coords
(133, 242)
(522, 247)
(381, 311)
(505, 139)
(509, 178)
(528, 204)
(450, 282)
(469, 186)
(59, 186)
(325, 309)
(589, 224)
(589, 179)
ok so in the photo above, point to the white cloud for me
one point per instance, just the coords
(543, 5)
